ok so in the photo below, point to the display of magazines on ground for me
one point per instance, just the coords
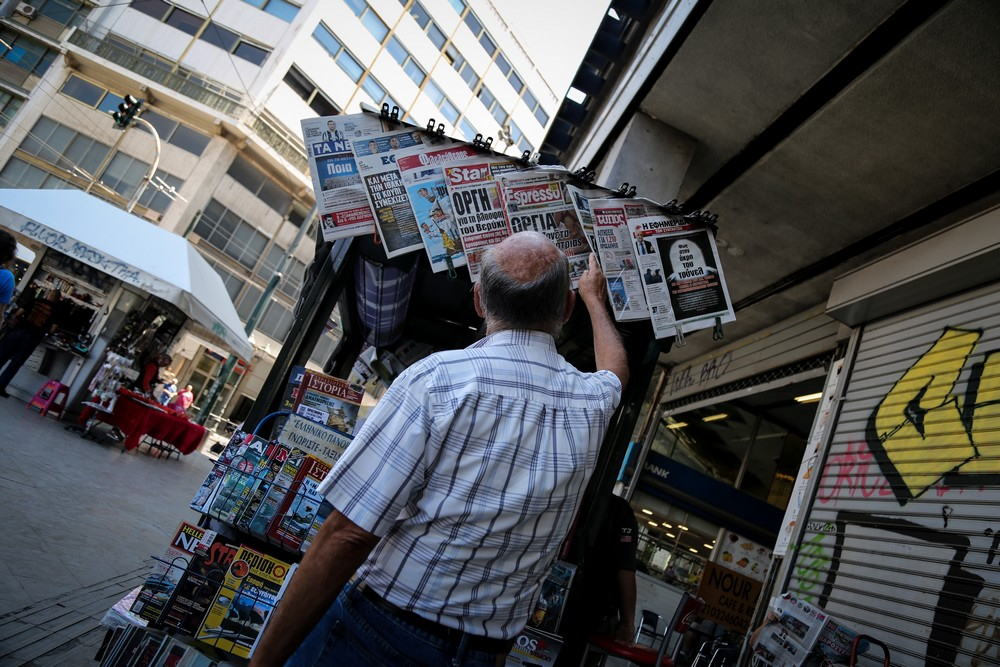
(800, 633)
(616, 251)
(681, 272)
(341, 200)
(538, 201)
(474, 186)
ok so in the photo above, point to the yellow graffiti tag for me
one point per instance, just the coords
(919, 423)
(986, 420)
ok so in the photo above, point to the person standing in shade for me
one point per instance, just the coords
(491, 448)
(32, 322)
(8, 250)
(183, 400)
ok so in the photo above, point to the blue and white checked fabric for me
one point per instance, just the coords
(471, 468)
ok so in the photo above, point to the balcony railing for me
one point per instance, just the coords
(188, 85)
(283, 142)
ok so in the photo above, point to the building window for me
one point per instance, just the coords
(449, 110)
(292, 273)
(256, 181)
(469, 132)
(276, 321)
(64, 147)
(124, 174)
(423, 19)
(214, 34)
(397, 50)
(251, 52)
(462, 66)
(228, 232)
(457, 5)
(414, 71)
(83, 91)
(377, 92)
(22, 51)
(231, 281)
(342, 56)
(19, 174)
(281, 9)
(518, 136)
(502, 64)
(60, 11)
(308, 91)
(369, 19)
(515, 82)
(177, 134)
(221, 37)
(433, 93)
(158, 9)
(535, 107)
(9, 104)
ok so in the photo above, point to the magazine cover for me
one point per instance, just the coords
(244, 602)
(276, 491)
(288, 397)
(548, 612)
(341, 201)
(329, 401)
(206, 494)
(264, 476)
(239, 477)
(290, 528)
(167, 570)
(200, 584)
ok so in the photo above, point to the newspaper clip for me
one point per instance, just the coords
(673, 207)
(430, 125)
(452, 274)
(679, 340)
(626, 191)
(440, 130)
(477, 141)
(391, 116)
(717, 330)
(586, 175)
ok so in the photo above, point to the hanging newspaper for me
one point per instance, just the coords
(538, 201)
(681, 274)
(479, 212)
(797, 633)
(424, 178)
(383, 184)
(581, 198)
(341, 201)
(616, 252)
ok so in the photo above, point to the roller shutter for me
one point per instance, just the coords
(902, 537)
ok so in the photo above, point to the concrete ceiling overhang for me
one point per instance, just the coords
(829, 133)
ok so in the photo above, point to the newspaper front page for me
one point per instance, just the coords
(538, 201)
(616, 253)
(341, 201)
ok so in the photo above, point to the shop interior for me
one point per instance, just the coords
(754, 443)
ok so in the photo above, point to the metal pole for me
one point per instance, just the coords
(227, 368)
(152, 169)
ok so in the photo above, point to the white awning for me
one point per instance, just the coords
(131, 249)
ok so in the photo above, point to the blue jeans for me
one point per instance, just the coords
(355, 632)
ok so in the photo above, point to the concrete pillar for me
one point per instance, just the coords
(650, 155)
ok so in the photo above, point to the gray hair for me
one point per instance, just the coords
(539, 304)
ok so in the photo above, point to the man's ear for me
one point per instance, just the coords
(570, 302)
(477, 301)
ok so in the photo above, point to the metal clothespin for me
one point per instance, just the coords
(679, 340)
(489, 143)
(440, 130)
(525, 156)
(430, 125)
(452, 273)
(717, 330)
(477, 141)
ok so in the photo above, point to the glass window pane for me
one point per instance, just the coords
(474, 25)
(396, 50)
(110, 103)
(351, 66)
(247, 303)
(434, 93)
(376, 91)
(420, 15)
(185, 21)
(356, 6)
(375, 26)
(189, 140)
(221, 37)
(503, 64)
(59, 11)
(541, 116)
(251, 53)
(515, 81)
(164, 126)
(449, 111)
(467, 130)
(155, 8)
(325, 37)
(530, 100)
(469, 75)
(487, 97)
(488, 44)
(457, 5)
(82, 90)
(437, 37)
(285, 11)
(415, 72)
(323, 106)
(499, 113)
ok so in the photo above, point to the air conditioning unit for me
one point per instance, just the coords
(27, 10)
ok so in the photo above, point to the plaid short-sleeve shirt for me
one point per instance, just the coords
(471, 468)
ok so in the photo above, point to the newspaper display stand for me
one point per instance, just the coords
(389, 256)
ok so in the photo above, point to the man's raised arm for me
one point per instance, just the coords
(609, 353)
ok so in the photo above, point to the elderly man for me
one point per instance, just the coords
(457, 492)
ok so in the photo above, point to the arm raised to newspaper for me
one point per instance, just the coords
(609, 353)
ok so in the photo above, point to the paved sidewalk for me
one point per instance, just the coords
(79, 525)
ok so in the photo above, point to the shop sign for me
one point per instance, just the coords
(730, 597)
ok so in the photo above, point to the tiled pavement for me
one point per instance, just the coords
(79, 521)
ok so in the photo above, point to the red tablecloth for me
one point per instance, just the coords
(136, 416)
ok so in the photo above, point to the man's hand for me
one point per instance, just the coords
(593, 287)
(625, 633)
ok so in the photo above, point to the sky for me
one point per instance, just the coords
(560, 29)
